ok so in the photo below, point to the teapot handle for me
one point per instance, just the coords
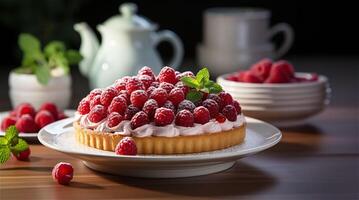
(171, 37)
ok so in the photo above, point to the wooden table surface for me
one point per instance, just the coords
(317, 160)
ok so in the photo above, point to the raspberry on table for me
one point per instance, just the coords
(131, 110)
(126, 146)
(62, 173)
(212, 107)
(96, 100)
(43, 118)
(94, 93)
(168, 104)
(226, 98)
(7, 121)
(186, 104)
(229, 111)
(26, 108)
(146, 80)
(220, 118)
(84, 106)
(184, 118)
(168, 75)
(237, 106)
(114, 119)
(107, 95)
(118, 104)
(201, 115)
(139, 119)
(133, 84)
(150, 107)
(163, 116)
(160, 95)
(26, 124)
(23, 155)
(176, 96)
(217, 99)
(167, 86)
(138, 98)
(97, 113)
(147, 71)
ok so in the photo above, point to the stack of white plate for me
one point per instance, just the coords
(281, 104)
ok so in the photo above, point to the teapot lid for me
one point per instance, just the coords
(129, 20)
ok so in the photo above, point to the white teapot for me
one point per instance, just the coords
(128, 43)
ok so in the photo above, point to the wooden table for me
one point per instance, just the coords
(319, 160)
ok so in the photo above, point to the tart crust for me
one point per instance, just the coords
(163, 145)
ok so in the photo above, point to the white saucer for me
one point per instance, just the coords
(259, 136)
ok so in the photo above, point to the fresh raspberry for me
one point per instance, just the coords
(212, 107)
(160, 95)
(63, 173)
(51, 107)
(96, 100)
(226, 98)
(139, 119)
(61, 115)
(262, 69)
(107, 95)
(150, 90)
(26, 108)
(184, 74)
(186, 104)
(285, 67)
(233, 77)
(97, 113)
(183, 87)
(146, 80)
(131, 110)
(125, 95)
(198, 103)
(204, 95)
(84, 106)
(23, 155)
(168, 75)
(138, 98)
(118, 104)
(120, 85)
(134, 84)
(26, 124)
(229, 111)
(169, 105)
(13, 113)
(150, 107)
(201, 115)
(249, 77)
(7, 121)
(167, 86)
(155, 84)
(176, 96)
(126, 146)
(237, 106)
(163, 116)
(114, 119)
(220, 118)
(278, 75)
(94, 93)
(147, 71)
(44, 118)
(184, 118)
(217, 99)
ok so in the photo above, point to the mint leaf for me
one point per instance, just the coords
(3, 142)
(43, 74)
(202, 75)
(11, 133)
(54, 47)
(4, 154)
(20, 146)
(194, 95)
(28, 43)
(73, 56)
(213, 87)
(190, 82)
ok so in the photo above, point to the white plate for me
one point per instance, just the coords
(259, 136)
(30, 136)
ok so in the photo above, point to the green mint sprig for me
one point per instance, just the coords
(11, 143)
(200, 84)
(41, 62)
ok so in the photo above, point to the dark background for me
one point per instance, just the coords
(322, 29)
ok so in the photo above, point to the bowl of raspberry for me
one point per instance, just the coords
(274, 92)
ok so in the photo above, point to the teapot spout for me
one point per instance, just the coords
(89, 47)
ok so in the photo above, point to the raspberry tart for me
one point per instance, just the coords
(172, 113)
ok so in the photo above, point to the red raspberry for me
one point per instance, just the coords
(183, 87)
(7, 121)
(51, 107)
(96, 100)
(126, 146)
(138, 98)
(237, 106)
(150, 107)
(163, 116)
(262, 69)
(169, 105)
(63, 173)
(44, 118)
(26, 124)
(155, 84)
(94, 93)
(13, 113)
(286, 68)
(201, 115)
(118, 104)
(184, 118)
(114, 119)
(249, 77)
(131, 110)
(167, 86)
(277, 75)
(160, 95)
(184, 74)
(226, 98)
(146, 80)
(26, 108)
(120, 85)
(134, 84)
(212, 107)
(84, 106)
(220, 118)
(176, 96)
(229, 111)
(61, 115)
(125, 95)
(217, 99)
(168, 75)
(186, 104)
(233, 77)
(23, 155)
(150, 90)
(97, 113)
(147, 71)
(139, 119)
(107, 95)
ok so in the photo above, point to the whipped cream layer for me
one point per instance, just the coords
(170, 130)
